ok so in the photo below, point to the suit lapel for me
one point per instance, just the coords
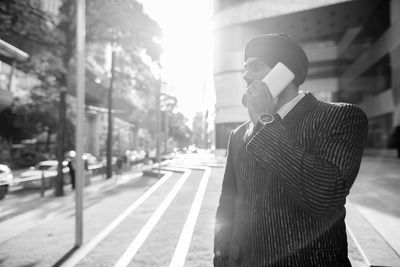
(308, 102)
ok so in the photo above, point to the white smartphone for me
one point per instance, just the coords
(278, 78)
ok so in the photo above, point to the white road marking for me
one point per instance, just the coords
(385, 224)
(131, 251)
(198, 165)
(182, 248)
(84, 250)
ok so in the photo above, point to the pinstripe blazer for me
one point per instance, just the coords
(285, 186)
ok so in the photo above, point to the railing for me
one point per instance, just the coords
(92, 170)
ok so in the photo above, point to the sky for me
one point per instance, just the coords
(187, 46)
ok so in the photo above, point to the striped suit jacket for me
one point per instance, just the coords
(285, 186)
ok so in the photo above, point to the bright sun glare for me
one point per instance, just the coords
(187, 47)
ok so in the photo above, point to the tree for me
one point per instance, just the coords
(120, 21)
(7, 128)
(25, 23)
(178, 129)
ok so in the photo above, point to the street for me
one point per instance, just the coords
(145, 221)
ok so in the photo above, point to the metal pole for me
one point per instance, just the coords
(42, 185)
(166, 131)
(110, 121)
(80, 94)
(158, 127)
(59, 184)
(205, 130)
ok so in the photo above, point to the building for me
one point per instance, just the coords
(353, 49)
(9, 54)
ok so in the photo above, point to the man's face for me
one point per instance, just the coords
(254, 69)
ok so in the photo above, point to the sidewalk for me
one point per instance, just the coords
(35, 210)
(376, 196)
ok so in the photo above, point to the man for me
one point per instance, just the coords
(289, 169)
(71, 167)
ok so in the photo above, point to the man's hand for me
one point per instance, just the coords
(259, 100)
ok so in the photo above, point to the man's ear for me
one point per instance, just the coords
(244, 100)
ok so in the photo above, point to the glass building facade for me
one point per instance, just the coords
(353, 48)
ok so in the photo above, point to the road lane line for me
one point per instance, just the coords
(85, 249)
(131, 251)
(182, 248)
(198, 165)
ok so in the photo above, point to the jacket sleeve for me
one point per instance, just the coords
(319, 180)
(225, 212)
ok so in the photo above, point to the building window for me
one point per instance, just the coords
(219, 5)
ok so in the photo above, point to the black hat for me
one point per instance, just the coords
(279, 47)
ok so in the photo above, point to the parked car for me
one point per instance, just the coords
(92, 164)
(47, 168)
(6, 178)
(167, 156)
(89, 159)
(153, 155)
(136, 156)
